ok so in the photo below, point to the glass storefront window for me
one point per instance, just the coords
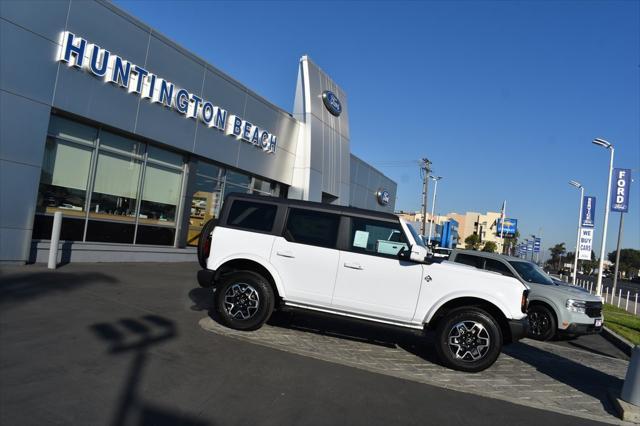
(160, 195)
(115, 189)
(111, 188)
(206, 199)
(72, 131)
(64, 176)
(264, 187)
(238, 179)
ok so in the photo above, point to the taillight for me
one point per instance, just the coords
(524, 303)
(207, 247)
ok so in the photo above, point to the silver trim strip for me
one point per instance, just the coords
(352, 315)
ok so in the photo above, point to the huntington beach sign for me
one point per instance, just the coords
(79, 53)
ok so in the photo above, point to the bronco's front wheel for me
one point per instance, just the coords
(468, 339)
(244, 300)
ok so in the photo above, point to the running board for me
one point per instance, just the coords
(351, 315)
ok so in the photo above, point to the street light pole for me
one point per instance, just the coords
(433, 205)
(575, 256)
(425, 169)
(603, 143)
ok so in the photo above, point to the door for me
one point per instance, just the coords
(306, 256)
(371, 279)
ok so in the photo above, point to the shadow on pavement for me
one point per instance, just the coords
(580, 377)
(137, 336)
(414, 342)
(21, 287)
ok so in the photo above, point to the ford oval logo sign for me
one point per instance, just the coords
(332, 103)
(383, 197)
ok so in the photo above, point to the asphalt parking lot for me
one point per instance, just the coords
(134, 344)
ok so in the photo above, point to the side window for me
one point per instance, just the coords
(312, 227)
(497, 266)
(376, 237)
(467, 259)
(250, 215)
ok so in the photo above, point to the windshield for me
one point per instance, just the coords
(532, 273)
(416, 236)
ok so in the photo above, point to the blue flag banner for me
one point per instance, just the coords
(588, 216)
(620, 190)
(536, 245)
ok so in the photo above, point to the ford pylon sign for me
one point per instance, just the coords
(620, 191)
(588, 212)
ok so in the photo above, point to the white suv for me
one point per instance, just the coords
(266, 253)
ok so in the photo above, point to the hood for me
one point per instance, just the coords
(567, 291)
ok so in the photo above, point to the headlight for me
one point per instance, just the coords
(576, 306)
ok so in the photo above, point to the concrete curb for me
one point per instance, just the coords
(627, 412)
(618, 341)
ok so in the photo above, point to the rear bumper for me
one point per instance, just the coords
(519, 328)
(206, 277)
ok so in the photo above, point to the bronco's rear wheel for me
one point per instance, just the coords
(244, 300)
(468, 339)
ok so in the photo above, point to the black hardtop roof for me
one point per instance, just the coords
(314, 205)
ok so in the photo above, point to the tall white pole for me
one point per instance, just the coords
(575, 256)
(433, 207)
(604, 228)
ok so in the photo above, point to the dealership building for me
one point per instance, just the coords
(136, 140)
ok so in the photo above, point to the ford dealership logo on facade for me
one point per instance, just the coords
(332, 102)
(383, 197)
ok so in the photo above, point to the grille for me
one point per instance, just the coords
(593, 309)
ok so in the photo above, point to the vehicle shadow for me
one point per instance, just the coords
(578, 376)
(129, 335)
(415, 342)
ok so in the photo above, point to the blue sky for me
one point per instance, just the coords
(503, 97)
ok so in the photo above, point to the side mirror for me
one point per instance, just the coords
(418, 254)
(405, 254)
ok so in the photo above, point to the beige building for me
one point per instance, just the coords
(469, 223)
(485, 225)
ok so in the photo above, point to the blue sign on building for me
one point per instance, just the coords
(620, 190)
(449, 234)
(508, 229)
(588, 216)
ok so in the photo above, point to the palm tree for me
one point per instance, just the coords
(556, 254)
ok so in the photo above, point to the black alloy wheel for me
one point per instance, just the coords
(542, 323)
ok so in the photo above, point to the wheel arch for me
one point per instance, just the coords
(253, 264)
(488, 306)
(549, 305)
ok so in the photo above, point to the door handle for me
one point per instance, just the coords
(285, 253)
(353, 265)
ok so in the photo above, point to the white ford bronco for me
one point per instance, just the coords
(267, 253)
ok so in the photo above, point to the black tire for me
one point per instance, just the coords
(244, 300)
(542, 323)
(470, 354)
(204, 242)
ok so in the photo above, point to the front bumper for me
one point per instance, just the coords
(575, 329)
(519, 328)
(206, 277)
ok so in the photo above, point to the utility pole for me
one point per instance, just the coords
(425, 169)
